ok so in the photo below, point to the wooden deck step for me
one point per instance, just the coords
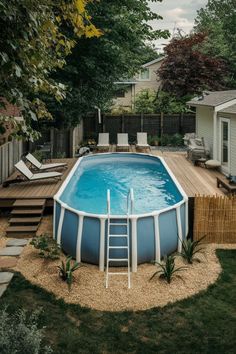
(22, 220)
(21, 230)
(33, 203)
(27, 211)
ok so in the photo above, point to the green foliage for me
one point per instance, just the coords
(190, 249)
(66, 270)
(145, 101)
(154, 140)
(47, 246)
(168, 102)
(96, 64)
(19, 333)
(218, 20)
(167, 269)
(38, 154)
(32, 46)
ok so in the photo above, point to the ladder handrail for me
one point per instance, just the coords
(108, 202)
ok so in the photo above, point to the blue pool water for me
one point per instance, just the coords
(153, 187)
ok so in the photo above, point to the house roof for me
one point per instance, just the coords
(9, 109)
(230, 109)
(213, 99)
(133, 81)
(153, 62)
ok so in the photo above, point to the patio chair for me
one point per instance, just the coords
(142, 141)
(103, 141)
(122, 141)
(25, 171)
(43, 167)
(197, 149)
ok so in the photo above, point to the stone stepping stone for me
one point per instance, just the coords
(11, 251)
(8, 263)
(3, 288)
(5, 277)
(16, 242)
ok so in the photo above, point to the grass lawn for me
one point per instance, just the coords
(205, 323)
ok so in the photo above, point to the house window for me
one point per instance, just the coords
(120, 93)
(144, 74)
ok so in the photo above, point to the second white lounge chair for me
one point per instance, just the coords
(43, 167)
(142, 141)
(103, 141)
(122, 141)
(25, 171)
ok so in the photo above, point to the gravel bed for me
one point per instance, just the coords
(88, 288)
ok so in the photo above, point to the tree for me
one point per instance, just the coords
(145, 101)
(188, 71)
(218, 20)
(32, 46)
(96, 64)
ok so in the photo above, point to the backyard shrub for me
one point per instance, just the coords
(154, 140)
(19, 333)
(167, 269)
(67, 269)
(47, 246)
(190, 249)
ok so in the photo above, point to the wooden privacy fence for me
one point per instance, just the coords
(153, 124)
(10, 154)
(215, 217)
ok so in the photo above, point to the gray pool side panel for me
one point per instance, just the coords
(90, 240)
(145, 239)
(69, 233)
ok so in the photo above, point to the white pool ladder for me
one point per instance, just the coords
(121, 236)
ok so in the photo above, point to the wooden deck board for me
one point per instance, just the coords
(36, 189)
(194, 180)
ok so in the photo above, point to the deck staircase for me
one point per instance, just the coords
(25, 217)
(121, 240)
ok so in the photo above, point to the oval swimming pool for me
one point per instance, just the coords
(159, 216)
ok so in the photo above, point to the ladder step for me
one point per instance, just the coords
(118, 235)
(118, 273)
(118, 247)
(116, 224)
(118, 260)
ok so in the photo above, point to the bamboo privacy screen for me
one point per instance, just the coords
(215, 217)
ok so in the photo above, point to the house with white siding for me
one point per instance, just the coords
(127, 90)
(216, 123)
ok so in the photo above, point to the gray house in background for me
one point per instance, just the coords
(216, 123)
(145, 79)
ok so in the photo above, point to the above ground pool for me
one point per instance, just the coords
(158, 220)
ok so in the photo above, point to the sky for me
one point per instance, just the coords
(176, 14)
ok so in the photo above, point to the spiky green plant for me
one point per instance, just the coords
(47, 246)
(66, 270)
(167, 269)
(190, 249)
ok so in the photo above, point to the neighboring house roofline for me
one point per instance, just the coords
(153, 62)
(231, 109)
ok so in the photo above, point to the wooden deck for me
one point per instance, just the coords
(194, 180)
(35, 189)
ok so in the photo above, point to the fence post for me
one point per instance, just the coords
(103, 123)
(162, 123)
(141, 122)
(122, 123)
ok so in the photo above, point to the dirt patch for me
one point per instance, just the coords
(88, 288)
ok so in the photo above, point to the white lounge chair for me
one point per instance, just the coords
(25, 171)
(142, 141)
(43, 167)
(122, 141)
(103, 141)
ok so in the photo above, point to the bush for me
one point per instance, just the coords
(66, 271)
(19, 333)
(190, 249)
(47, 246)
(167, 269)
